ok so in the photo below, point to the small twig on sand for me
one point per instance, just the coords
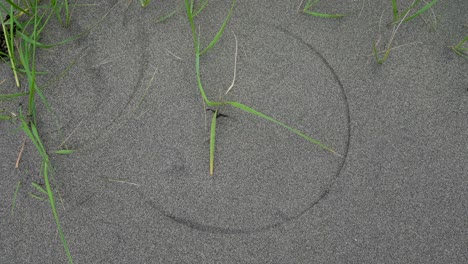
(20, 154)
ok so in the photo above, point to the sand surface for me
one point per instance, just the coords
(139, 190)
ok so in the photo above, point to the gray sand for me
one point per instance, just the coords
(139, 189)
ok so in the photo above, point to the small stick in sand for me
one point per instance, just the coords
(20, 154)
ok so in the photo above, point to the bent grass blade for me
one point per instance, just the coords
(297, 132)
(221, 30)
(420, 11)
(309, 5)
(31, 131)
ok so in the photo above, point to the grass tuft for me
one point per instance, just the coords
(398, 20)
(461, 48)
(221, 102)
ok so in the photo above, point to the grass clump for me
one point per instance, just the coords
(397, 14)
(399, 17)
(221, 103)
(461, 49)
(21, 31)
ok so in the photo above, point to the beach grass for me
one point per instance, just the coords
(399, 17)
(221, 102)
(461, 49)
(22, 30)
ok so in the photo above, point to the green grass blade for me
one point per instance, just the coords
(43, 99)
(323, 15)
(188, 8)
(197, 69)
(9, 39)
(39, 188)
(11, 96)
(420, 11)
(5, 117)
(200, 8)
(37, 197)
(38, 139)
(376, 55)
(221, 30)
(166, 17)
(54, 211)
(65, 151)
(309, 5)
(459, 45)
(254, 112)
(213, 141)
(144, 3)
(395, 11)
(30, 135)
(47, 46)
(12, 4)
(15, 194)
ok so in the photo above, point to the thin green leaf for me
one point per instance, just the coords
(11, 96)
(17, 7)
(38, 139)
(376, 55)
(5, 117)
(54, 212)
(15, 194)
(197, 69)
(188, 8)
(200, 8)
(309, 5)
(144, 3)
(221, 30)
(422, 10)
(30, 135)
(395, 11)
(254, 112)
(65, 151)
(39, 188)
(37, 197)
(459, 45)
(213, 141)
(322, 15)
(165, 17)
(47, 46)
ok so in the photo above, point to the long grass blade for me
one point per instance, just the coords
(200, 86)
(420, 11)
(38, 187)
(54, 211)
(309, 5)
(188, 8)
(65, 151)
(213, 141)
(37, 197)
(15, 194)
(221, 30)
(11, 96)
(15, 6)
(323, 15)
(395, 11)
(166, 17)
(254, 112)
(200, 8)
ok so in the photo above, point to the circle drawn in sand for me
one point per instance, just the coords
(265, 175)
